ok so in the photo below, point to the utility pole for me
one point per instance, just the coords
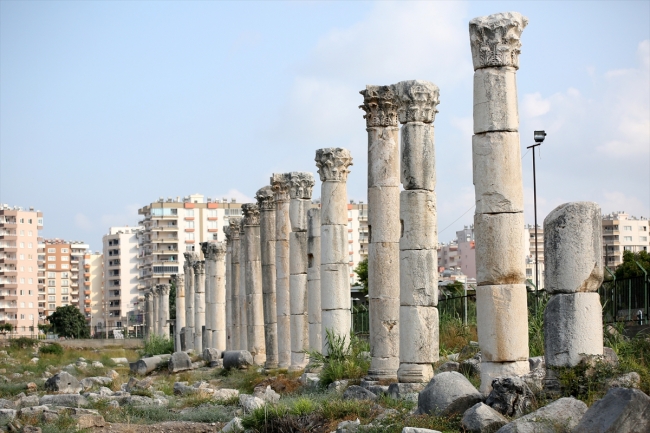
(539, 137)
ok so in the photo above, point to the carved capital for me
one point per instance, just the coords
(301, 184)
(251, 214)
(417, 101)
(179, 280)
(226, 231)
(220, 250)
(235, 227)
(380, 104)
(199, 267)
(265, 199)
(148, 295)
(164, 289)
(495, 39)
(333, 163)
(280, 184)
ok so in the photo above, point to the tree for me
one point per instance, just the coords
(629, 268)
(6, 327)
(172, 301)
(69, 322)
(362, 273)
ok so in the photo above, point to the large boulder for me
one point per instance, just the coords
(621, 410)
(250, 402)
(180, 361)
(356, 392)
(7, 415)
(63, 382)
(213, 357)
(510, 396)
(561, 415)
(481, 418)
(240, 359)
(66, 400)
(448, 393)
(267, 394)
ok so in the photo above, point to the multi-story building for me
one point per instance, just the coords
(91, 297)
(357, 236)
(19, 268)
(120, 295)
(622, 232)
(62, 274)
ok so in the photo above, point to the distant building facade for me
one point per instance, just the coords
(622, 232)
(63, 274)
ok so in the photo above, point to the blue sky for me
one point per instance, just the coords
(106, 106)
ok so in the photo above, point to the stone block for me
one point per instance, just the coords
(334, 203)
(564, 413)
(497, 173)
(492, 370)
(356, 392)
(335, 287)
(481, 418)
(401, 390)
(63, 382)
(240, 359)
(383, 157)
(418, 335)
(502, 322)
(297, 252)
(383, 270)
(419, 219)
(495, 100)
(313, 222)
(573, 248)
(418, 277)
(298, 214)
(337, 321)
(418, 156)
(621, 410)
(385, 328)
(414, 373)
(572, 326)
(510, 396)
(298, 294)
(500, 249)
(383, 214)
(418, 430)
(334, 245)
(299, 334)
(448, 393)
(66, 400)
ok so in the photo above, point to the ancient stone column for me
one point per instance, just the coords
(266, 203)
(235, 228)
(210, 256)
(179, 282)
(148, 305)
(313, 279)
(243, 299)
(280, 185)
(301, 184)
(573, 261)
(164, 310)
(502, 315)
(155, 292)
(419, 336)
(219, 296)
(380, 105)
(253, 273)
(199, 304)
(226, 230)
(333, 168)
(188, 267)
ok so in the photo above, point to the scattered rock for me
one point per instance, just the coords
(629, 380)
(240, 359)
(250, 402)
(81, 364)
(356, 392)
(68, 400)
(6, 404)
(338, 385)
(89, 421)
(138, 400)
(31, 387)
(348, 426)
(112, 374)
(211, 355)
(135, 384)
(63, 382)
(418, 430)
(34, 360)
(448, 393)
(89, 382)
(609, 356)
(561, 415)
(31, 400)
(621, 410)
(481, 418)
(378, 390)
(405, 390)
(267, 394)
(7, 415)
(225, 394)
(97, 364)
(510, 396)
(310, 380)
(233, 426)
(32, 429)
(537, 362)
(32, 411)
(180, 361)
(448, 366)
(120, 361)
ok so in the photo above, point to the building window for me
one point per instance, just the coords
(22, 257)
(40, 221)
(212, 213)
(64, 298)
(51, 298)
(51, 275)
(190, 224)
(212, 224)
(51, 283)
(189, 212)
(51, 250)
(30, 281)
(65, 266)
(22, 220)
(65, 274)
(22, 316)
(31, 305)
(64, 291)
(189, 236)
(627, 238)
(22, 245)
(51, 290)
(21, 292)
(64, 250)
(29, 245)
(51, 258)
(29, 233)
(31, 316)
(627, 228)
(22, 305)
(65, 258)
(51, 306)
(22, 281)
(65, 283)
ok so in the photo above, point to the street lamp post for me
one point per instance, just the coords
(539, 137)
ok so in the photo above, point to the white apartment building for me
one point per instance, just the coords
(622, 232)
(62, 274)
(93, 287)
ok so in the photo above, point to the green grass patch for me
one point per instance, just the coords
(157, 345)
(51, 349)
(346, 358)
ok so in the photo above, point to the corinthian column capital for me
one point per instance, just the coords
(235, 227)
(301, 184)
(417, 101)
(148, 295)
(226, 231)
(164, 289)
(333, 163)
(380, 104)
(178, 279)
(219, 250)
(199, 267)
(251, 214)
(280, 184)
(265, 198)
(495, 39)
(210, 250)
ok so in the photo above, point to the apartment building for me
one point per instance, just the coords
(91, 296)
(19, 268)
(357, 236)
(62, 274)
(622, 232)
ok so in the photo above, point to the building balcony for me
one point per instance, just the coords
(87, 301)
(9, 285)
(9, 236)
(87, 309)
(9, 298)
(9, 225)
(8, 272)
(74, 269)
(87, 283)
(9, 249)
(165, 240)
(86, 292)
(9, 309)
(8, 259)
(74, 277)
(74, 285)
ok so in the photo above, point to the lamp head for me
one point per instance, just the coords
(539, 136)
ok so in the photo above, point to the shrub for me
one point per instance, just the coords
(51, 349)
(22, 343)
(346, 358)
(157, 345)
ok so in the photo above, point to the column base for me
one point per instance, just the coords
(492, 370)
(415, 373)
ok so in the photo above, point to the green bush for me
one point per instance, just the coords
(157, 345)
(22, 343)
(346, 358)
(51, 349)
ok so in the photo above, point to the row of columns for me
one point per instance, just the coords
(156, 319)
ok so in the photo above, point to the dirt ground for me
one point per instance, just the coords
(164, 427)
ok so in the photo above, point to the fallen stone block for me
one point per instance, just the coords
(267, 394)
(146, 365)
(510, 396)
(448, 366)
(418, 430)
(621, 410)
(89, 421)
(63, 382)
(481, 418)
(338, 385)
(7, 415)
(225, 394)
(628, 380)
(240, 359)
(212, 356)
(356, 392)
(250, 402)
(404, 391)
(68, 400)
(561, 415)
(448, 393)
(180, 361)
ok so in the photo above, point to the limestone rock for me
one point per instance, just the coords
(564, 414)
(250, 402)
(7, 415)
(356, 392)
(6, 404)
(180, 361)
(97, 364)
(212, 356)
(67, 400)
(495, 40)
(510, 396)
(610, 356)
(492, 370)
(267, 394)
(621, 410)
(500, 250)
(404, 390)
(84, 421)
(628, 380)
(123, 361)
(135, 384)
(338, 385)
(63, 382)
(112, 374)
(240, 359)
(225, 394)
(233, 426)
(32, 411)
(495, 102)
(348, 426)
(448, 366)
(481, 418)
(448, 393)
(536, 363)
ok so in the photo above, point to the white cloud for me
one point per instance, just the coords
(618, 201)
(534, 105)
(83, 222)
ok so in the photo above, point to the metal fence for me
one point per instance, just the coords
(360, 320)
(625, 300)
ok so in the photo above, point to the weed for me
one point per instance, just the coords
(536, 328)
(345, 360)
(51, 349)
(157, 345)
(22, 343)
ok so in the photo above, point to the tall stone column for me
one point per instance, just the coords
(155, 292)
(210, 256)
(226, 230)
(573, 260)
(235, 227)
(301, 184)
(333, 168)
(148, 305)
(188, 267)
(253, 273)
(380, 104)
(266, 203)
(243, 299)
(164, 310)
(199, 304)
(499, 217)
(419, 336)
(280, 185)
(219, 311)
(179, 282)
(313, 279)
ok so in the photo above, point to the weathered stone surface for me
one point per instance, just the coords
(448, 393)
(418, 430)
(573, 248)
(492, 370)
(500, 307)
(135, 384)
(336, 237)
(240, 359)
(146, 365)
(481, 418)
(564, 414)
(225, 394)
(499, 249)
(89, 382)
(497, 173)
(572, 327)
(179, 361)
(414, 373)
(495, 39)
(419, 219)
(212, 356)
(250, 402)
(336, 320)
(233, 426)
(67, 400)
(334, 203)
(448, 366)
(536, 362)
(495, 100)
(335, 286)
(267, 394)
(510, 396)
(419, 335)
(628, 380)
(418, 157)
(355, 392)
(384, 221)
(86, 420)
(63, 382)
(419, 286)
(383, 158)
(621, 410)
(402, 390)
(7, 415)
(384, 347)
